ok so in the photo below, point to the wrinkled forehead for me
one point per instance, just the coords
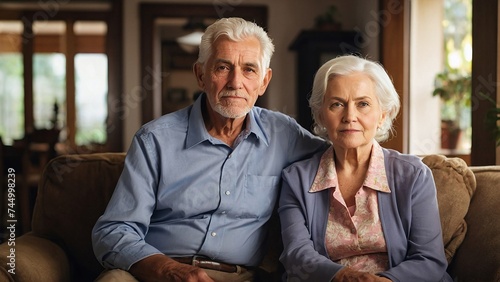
(247, 49)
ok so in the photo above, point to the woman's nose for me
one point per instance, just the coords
(349, 113)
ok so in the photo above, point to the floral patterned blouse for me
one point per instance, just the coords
(354, 235)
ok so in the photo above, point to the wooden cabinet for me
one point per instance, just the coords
(315, 47)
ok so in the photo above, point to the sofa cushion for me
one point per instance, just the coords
(478, 258)
(73, 193)
(455, 184)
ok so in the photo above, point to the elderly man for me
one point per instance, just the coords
(200, 184)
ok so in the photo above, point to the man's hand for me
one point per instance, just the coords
(348, 275)
(162, 268)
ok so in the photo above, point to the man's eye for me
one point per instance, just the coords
(222, 68)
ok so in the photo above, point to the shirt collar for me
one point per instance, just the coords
(376, 178)
(197, 132)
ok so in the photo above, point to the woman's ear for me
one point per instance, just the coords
(382, 119)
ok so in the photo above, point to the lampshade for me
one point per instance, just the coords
(191, 41)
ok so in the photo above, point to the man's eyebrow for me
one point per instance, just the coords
(252, 65)
(224, 61)
(248, 64)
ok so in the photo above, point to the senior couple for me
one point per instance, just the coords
(200, 184)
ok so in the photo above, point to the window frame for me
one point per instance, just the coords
(485, 62)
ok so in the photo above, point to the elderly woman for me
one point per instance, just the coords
(357, 211)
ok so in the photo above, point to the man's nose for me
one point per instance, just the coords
(235, 79)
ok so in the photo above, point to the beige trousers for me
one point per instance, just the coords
(118, 275)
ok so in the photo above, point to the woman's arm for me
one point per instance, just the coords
(424, 258)
(299, 257)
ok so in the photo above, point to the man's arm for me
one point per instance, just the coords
(118, 235)
(162, 268)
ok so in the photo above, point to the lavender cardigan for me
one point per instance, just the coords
(409, 216)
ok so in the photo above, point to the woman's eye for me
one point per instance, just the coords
(336, 105)
(363, 104)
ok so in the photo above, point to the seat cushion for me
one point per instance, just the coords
(455, 184)
(73, 193)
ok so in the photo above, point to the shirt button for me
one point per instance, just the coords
(213, 234)
(229, 156)
(223, 212)
(227, 193)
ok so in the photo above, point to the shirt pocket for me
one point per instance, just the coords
(259, 196)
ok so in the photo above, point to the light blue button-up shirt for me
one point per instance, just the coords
(183, 192)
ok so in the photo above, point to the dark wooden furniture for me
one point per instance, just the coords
(315, 47)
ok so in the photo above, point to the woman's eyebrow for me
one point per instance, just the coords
(355, 99)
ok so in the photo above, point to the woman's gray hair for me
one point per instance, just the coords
(344, 65)
(236, 29)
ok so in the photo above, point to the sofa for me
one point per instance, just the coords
(74, 190)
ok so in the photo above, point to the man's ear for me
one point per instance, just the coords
(265, 81)
(198, 73)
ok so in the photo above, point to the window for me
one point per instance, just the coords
(440, 56)
(11, 82)
(91, 92)
(56, 57)
(80, 111)
(91, 83)
(49, 79)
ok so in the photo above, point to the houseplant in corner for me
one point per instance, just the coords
(493, 119)
(454, 89)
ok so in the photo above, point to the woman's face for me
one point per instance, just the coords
(351, 111)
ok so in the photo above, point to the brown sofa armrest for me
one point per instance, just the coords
(36, 259)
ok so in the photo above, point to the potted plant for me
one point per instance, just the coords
(328, 20)
(454, 89)
(493, 119)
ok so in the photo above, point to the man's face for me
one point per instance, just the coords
(232, 76)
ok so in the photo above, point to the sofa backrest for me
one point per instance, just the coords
(478, 258)
(72, 194)
(469, 201)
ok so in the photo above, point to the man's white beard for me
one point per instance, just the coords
(228, 112)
